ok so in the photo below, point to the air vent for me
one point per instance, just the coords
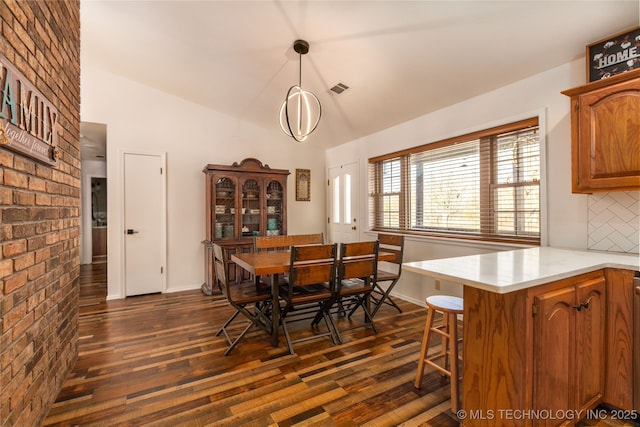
(339, 88)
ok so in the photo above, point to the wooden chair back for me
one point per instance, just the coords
(312, 265)
(358, 260)
(220, 266)
(284, 243)
(392, 244)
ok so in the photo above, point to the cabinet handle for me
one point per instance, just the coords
(584, 305)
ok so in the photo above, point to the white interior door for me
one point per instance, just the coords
(343, 203)
(144, 223)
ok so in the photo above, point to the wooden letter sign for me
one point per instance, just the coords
(28, 121)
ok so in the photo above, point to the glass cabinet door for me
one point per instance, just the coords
(225, 209)
(275, 200)
(251, 208)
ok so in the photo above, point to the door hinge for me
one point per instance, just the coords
(160, 171)
(161, 270)
(328, 183)
(328, 220)
(535, 309)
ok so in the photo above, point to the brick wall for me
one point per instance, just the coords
(40, 218)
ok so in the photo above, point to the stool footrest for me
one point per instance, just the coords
(438, 330)
(438, 367)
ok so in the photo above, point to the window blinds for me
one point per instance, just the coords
(482, 186)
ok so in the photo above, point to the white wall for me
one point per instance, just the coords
(144, 119)
(89, 169)
(566, 213)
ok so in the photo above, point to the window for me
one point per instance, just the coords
(484, 185)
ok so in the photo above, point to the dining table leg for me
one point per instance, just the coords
(275, 314)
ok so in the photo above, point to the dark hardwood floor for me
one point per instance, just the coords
(155, 360)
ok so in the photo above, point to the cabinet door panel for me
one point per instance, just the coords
(611, 123)
(605, 134)
(554, 348)
(590, 341)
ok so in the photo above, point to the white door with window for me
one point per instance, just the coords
(343, 204)
(144, 223)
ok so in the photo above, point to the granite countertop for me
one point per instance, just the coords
(509, 271)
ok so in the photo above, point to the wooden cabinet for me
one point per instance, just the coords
(569, 348)
(99, 243)
(620, 345)
(531, 353)
(243, 200)
(605, 134)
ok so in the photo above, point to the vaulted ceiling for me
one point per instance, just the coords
(400, 59)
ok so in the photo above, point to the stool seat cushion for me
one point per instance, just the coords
(445, 303)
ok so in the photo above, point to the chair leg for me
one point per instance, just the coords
(335, 336)
(453, 343)
(227, 323)
(286, 335)
(235, 342)
(385, 298)
(254, 320)
(425, 346)
(368, 316)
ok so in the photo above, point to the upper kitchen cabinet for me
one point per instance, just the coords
(605, 134)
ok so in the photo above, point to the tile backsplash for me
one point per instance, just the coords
(614, 222)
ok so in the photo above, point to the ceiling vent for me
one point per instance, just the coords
(339, 88)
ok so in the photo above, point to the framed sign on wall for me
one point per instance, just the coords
(303, 185)
(613, 55)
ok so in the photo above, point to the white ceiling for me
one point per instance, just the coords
(401, 59)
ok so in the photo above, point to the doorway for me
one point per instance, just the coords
(93, 142)
(343, 203)
(98, 220)
(144, 205)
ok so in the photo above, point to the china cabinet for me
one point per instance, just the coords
(605, 134)
(243, 200)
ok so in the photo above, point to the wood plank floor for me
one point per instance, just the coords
(155, 360)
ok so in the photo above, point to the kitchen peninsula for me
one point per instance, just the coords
(545, 329)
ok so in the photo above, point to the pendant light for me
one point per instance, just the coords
(301, 110)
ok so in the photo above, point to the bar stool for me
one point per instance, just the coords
(450, 307)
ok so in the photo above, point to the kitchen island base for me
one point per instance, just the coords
(547, 354)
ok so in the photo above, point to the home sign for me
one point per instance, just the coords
(28, 121)
(613, 55)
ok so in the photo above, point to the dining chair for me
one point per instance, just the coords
(389, 274)
(357, 270)
(249, 298)
(284, 243)
(310, 289)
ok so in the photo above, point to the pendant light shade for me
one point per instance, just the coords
(301, 110)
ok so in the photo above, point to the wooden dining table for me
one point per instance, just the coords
(274, 264)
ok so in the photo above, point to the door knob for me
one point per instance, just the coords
(131, 231)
